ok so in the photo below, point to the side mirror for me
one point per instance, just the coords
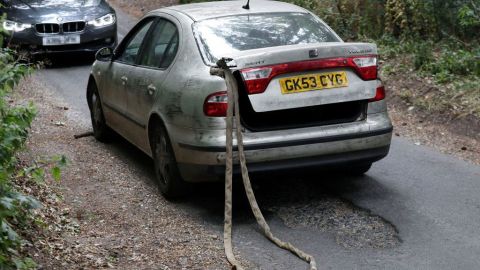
(104, 54)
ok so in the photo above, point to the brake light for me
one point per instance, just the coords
(366, 67)
(216, 105)
(257, 79)
(380, 93)
(256, 73)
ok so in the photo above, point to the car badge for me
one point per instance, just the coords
(313, 53)
(60, 19)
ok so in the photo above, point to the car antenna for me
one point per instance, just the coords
(247, 6)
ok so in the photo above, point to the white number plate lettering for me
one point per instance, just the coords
(61, 40)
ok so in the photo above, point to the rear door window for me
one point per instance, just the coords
(162, 46)
(130, 50)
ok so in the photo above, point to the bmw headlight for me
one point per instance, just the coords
(106, 20)
(15, 26)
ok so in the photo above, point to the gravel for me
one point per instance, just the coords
(314, 204)
(120, 219)
(352, 227)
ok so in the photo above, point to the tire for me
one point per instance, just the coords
(168, 178)
(358, 170)
(101, 131)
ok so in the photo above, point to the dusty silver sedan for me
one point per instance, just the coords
(307, 99)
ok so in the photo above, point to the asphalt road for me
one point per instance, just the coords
(416, 209)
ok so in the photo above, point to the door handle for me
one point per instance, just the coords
(151, 89)
(124, 79)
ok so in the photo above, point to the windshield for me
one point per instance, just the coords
(223, 36)
(50, 3)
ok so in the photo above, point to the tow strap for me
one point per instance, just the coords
(233, 118)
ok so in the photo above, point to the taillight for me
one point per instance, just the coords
(366, 67)
(257, 79)
(380, 93)
(216, 104)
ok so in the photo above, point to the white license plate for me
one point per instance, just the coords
(61, 40)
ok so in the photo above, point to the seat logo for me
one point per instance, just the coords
(313, 53)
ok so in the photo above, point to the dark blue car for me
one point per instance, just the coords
(46, 26)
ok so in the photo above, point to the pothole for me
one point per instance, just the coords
(313, 206)
(353, 227)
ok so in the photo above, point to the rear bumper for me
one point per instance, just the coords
(343, 144)
(91, 40)
(203, 173)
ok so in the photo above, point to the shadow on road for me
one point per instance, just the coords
(306, 200)
(281, 187)
(64, 60)
(312, 192)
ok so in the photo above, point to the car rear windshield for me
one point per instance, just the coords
(220, 37)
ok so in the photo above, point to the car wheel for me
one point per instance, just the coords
(168, 178)
(359, 170)
(101, 131)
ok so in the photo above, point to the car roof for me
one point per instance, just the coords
(208, 10)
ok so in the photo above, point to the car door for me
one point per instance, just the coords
(119, 79)
(148, 77)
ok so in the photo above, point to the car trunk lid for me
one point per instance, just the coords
(306, 75)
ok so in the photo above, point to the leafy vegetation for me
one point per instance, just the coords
(451, 68)
(15, 207)
(410, 19)
(14, 124)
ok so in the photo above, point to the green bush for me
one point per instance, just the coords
(14, 124)
(15, 121)
(404, 19)
(453, 63)
(352, 20)
(423, 55)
